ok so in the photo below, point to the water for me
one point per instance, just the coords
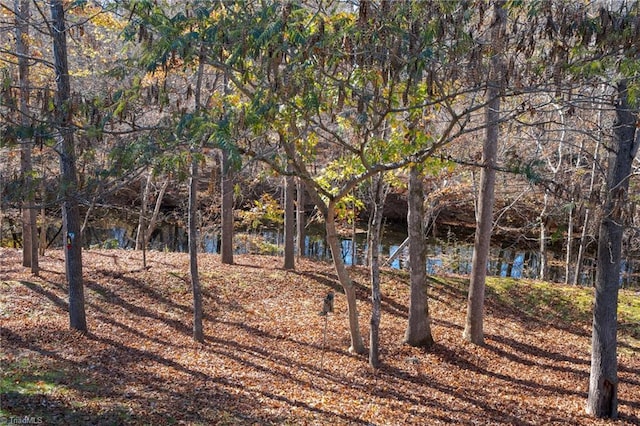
(447, 255)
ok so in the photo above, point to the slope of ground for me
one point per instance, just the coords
(266, 360)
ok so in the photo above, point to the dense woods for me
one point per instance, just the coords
(514, 122)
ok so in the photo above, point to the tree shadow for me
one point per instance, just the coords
(106, 376)
(491, 414)
(520, 350)
(114, 298)
(57, 301)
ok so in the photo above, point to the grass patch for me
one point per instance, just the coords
(41, 392)
(554, 303)
(543, 301)
(23, 377)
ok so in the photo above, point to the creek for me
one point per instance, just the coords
(449, 253)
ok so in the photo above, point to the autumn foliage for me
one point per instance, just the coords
(264, 359)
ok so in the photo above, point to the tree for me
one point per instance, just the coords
(473, 331)
(603, 383)
(226, 184)
(418, 331)
(600, 46)
(379, 190)
(29, 212)
(337, 103)
(301, 219)
(289, 222)
(68, 176)
(198, 333)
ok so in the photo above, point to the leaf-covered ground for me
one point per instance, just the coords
(265, 359)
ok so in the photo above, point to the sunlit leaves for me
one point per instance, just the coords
(265, 211)
(336, 172)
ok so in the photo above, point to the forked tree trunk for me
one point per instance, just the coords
(603, 383)
(418, 331)
(68, 176)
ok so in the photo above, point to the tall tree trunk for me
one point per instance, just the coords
(289, 223)
(198, 334)
(473, 331)
(603, 383)
(418, 331)
(301, 219)
(29, 213)
(226, 243)
(378, 196)
(68, 176)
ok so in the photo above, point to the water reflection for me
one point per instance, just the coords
(443, 255)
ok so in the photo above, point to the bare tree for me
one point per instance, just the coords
(603, 383)
(29, 212)
(68, 178)
(379, 189)
(418, 331)
(473, 331)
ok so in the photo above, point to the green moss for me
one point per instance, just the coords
(563, 304)
(629, 314)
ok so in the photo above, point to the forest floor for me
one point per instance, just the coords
(265, 359)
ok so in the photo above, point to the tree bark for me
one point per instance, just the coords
(418, 331)
(226, 243)
(301, 219)
(357, 344)
(603, 383)
(69, 181)
(198, 334)
(29, 213)
(378, 196)
(473, 331)
(289, 223)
